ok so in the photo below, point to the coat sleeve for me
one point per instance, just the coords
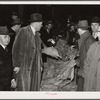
(87, 63)
(18, 48)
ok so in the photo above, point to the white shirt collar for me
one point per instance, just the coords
(33, 30)
(95, 35)
(3, 46)
(13, 28)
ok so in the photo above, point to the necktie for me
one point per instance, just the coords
(36, 40)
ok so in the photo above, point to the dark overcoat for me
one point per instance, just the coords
(27, 55)
(84, 46)
(6, 68)
(87, 40)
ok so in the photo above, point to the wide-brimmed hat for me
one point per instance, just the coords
(36, 17)
(49, 22)
(95, 20)
(4, 31)
(83, 24)
(17, 22)
(14, 13)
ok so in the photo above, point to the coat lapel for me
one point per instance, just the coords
(83, 41)
(32, 37)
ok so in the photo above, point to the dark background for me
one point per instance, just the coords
(51, 12)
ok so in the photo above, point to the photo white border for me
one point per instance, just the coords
(48, 94)
(52, 2)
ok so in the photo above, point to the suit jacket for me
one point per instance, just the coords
(45, 36)
(28, 58)
(6, 69)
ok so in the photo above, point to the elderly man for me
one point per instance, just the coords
(27, 56)
(92, 67)
(6, 68)
(84, 43)
(95, 21)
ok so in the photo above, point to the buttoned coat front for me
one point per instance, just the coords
(28, 58)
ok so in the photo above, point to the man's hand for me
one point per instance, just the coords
(16, 70)
(77, 61)
(13, 83)
(51, 40)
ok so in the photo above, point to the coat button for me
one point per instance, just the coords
(30, 58)
(99, 59)
(28, 69)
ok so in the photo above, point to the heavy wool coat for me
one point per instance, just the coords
(84, 46)
(92, 68)
(27, 55)
(86, 41)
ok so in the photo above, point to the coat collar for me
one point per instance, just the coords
(85, 34)
(33, 30)
(32, 37)
(83, 38)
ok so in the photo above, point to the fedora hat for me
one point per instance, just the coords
(83, 24)
(49, 22)
(95, 20)
(17, 22)
(4, 31)
(14, 13)
(36, 17)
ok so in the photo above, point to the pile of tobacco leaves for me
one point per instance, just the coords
(58, 74)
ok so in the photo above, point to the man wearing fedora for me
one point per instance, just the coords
(6, 68)
(83, 43)
(27, 55)
(95, 22)
(16, 24)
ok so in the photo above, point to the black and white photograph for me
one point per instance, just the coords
(50, 47)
